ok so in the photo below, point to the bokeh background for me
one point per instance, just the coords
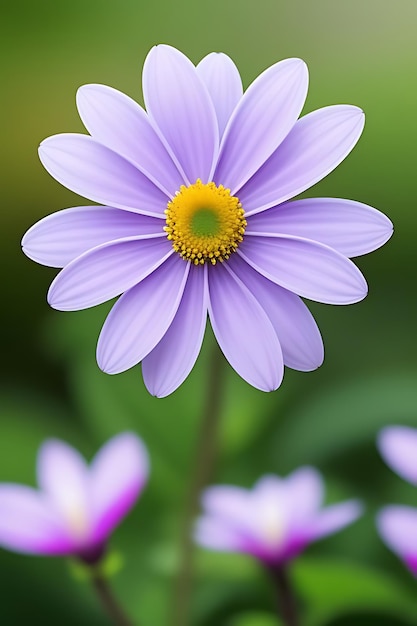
(359, 52)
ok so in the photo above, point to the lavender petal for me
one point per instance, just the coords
(263, 118)
(107, 271)
(243, 330)
(316, 145)
(179, 105)
(222, 79)
(170, 362)
(118, 122)
(63, 236)
(305, 267)
(350, 227)
(141, 317)
(94, 171)
(297, 332)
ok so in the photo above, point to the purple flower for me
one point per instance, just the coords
(398, 448)
(196, 219)
(77, 507)
(397, 524)
(275, 520)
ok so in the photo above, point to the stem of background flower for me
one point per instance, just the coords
(286, 605)
(205, 453)
(108, 601)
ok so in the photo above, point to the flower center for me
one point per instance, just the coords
(273, 526)
(204, 223)
(78, 523)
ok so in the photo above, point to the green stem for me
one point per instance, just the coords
(201, 473)
(286, 602)
(108, 601)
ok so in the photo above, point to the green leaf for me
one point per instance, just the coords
(255, 618)
(322, 425)
(27, 420)
(329, 588)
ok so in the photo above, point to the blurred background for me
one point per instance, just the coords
(358, 52)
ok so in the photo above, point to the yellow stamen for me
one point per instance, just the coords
(205, 223)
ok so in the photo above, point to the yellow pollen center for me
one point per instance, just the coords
(204, 222)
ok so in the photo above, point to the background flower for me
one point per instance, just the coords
(249, 254)
(398, 448)
(396, 524)
(275, 520)
(77, 507)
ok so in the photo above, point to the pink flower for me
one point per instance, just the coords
(77, 506)
(275, 520)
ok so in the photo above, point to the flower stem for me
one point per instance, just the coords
(286, 604)
(108, 601)
(205, 453)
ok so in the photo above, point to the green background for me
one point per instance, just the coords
(359, 52)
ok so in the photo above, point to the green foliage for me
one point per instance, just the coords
(250, 618)
(331, 588)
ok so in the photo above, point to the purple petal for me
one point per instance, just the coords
(229, 519)
(118, 122)
(269, 487)
(172, 359)
(243, 330)
(118, 473)
(61, 237)
(96, 172)
(107, 271)
(316, 145)
(227, 502)
(397, 526)
(269, 503)
(222, 79)
(275, 520)
(305, 492)
(141, 317)
(180, 106)
(63, 477)
(284, 507)
(350, 227)
(309, 269)
(398, 448)
(213, 534)
(255, 521)
(334, 518)
(263, 118)
(298, 334)
(29, 524)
